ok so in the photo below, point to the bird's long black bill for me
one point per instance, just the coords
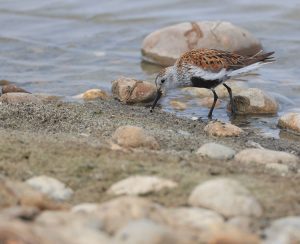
(158, 96)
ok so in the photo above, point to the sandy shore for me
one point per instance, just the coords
(70, 142)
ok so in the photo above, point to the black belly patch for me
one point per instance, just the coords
(199, 82)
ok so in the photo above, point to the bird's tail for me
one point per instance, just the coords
(253, 63)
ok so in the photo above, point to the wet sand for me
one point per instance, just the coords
(70, 141)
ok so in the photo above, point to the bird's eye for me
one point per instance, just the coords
(163, 81)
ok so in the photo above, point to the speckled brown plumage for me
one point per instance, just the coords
(208, 68)
(214, 60)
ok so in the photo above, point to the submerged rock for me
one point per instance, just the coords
(222, 129)
(254, 101)
(177, 105)
(134, 137)
(129, 90)
(165, 45)
(51, 187)
(227, 197)
(216, 151)
(290, 121)
(19, 97)
(138, 185)
(265, 156)
(208, 101)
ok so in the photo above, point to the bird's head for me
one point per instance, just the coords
(162, 82)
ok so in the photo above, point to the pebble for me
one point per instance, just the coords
(65, 218)
(19, 193)
(241, 222)
(165, 45)
(19, 97)
(132, 91)
(139, 185)
(51, 187)
(254, 101)
(116, 213)
(177, 105)
(279, 168)
(221, 129)
(93, 94)
(227, 197)
(283, 231)
(134, 137)
(145, 231)
(12, 88)
(265, 156)
(198, 219)
(216, 151)
(290, 121)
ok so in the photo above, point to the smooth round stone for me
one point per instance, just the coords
(265, 156)
(116, 213)
(165, 45)
(19, 97)
(177, 105)
(290, 121)
(139, 185)
(227, 197)
(254, 101)
(93, 94)
(132, 91)
(222, 129)
(134, 137)
(283, 231)
(199, 219)
(145, 231)
(216, 151)
(51, 187)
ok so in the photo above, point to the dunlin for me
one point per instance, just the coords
(208, 68)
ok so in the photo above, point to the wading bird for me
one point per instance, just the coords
(208, 68)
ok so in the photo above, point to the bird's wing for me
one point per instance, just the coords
(214, 64)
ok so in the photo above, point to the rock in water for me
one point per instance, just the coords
(254, 101)
(134, 137)
(51, 187)
(177, 105)
(227, 197)
(138, 185)
(165, 45)
(290, 121)
(133, 91)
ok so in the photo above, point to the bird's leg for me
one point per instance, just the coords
(213, 105)
(232, 104)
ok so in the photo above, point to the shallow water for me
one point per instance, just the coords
(65, 47)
